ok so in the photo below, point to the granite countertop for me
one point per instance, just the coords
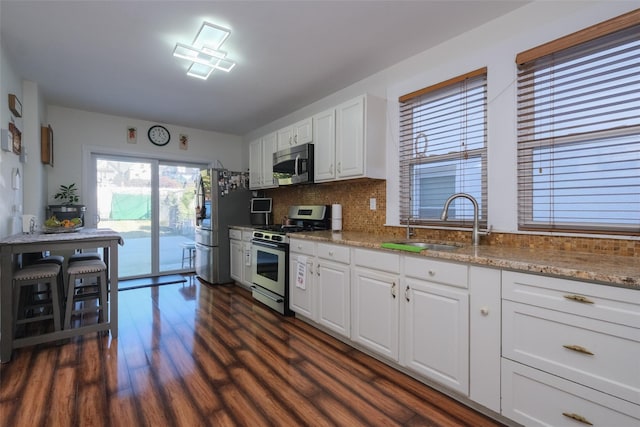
(608, 269)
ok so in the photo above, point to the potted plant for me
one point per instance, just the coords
(68, 194)
(69, 209)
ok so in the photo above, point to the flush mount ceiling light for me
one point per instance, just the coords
(204, 53)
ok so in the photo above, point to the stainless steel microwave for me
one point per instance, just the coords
(294, 165)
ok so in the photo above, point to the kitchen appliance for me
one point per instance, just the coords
(293, 165)
(261, 211)
(270, 254)
(222, 199)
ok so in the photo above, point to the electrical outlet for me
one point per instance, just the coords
(372, 203)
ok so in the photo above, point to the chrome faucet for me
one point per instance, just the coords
(410, 231)
(475, 233)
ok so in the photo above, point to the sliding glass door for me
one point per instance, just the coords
(151, 203)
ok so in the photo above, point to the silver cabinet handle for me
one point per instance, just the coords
(318, 269)
(406, 293)
(393, 290)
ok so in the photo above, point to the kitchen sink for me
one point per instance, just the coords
(419, 246)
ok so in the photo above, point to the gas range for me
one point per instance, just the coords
(270, 254)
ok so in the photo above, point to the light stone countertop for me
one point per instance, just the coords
(615, 270)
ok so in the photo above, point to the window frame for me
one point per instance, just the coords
(543, 59)
(410, 140)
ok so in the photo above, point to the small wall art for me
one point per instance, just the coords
(132, 135)
(16, 137)
(184, 141)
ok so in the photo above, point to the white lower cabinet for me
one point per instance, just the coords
(240, 256)
(535, 398)
(435, 321)
(574, 347)
(375, 302)
(334, 288)
(302, 261)
(324, 295)
(485, 343)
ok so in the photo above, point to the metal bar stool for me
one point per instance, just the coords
(33, 304)
(80, 288)
(188, 251)
(84, 256)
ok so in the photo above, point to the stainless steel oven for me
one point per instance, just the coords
(270, 254)
(270, 270)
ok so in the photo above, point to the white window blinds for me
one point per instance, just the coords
(579, 133)
(443, 133)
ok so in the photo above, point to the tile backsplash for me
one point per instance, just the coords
(355, 195)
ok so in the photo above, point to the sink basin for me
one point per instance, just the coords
(420, 246)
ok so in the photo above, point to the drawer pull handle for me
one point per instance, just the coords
(577, 417)
(577, 348)
(579, 298)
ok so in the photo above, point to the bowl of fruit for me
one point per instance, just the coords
(54, 225)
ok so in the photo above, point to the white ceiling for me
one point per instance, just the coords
(115, 57)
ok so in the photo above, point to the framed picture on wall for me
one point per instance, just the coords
(46, 145)
(16, 137)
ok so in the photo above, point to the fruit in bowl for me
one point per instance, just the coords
(53, 224)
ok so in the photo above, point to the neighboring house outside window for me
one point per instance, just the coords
(443, 150)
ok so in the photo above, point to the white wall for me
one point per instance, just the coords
(493, 45)
(10, 199)
(77, 133)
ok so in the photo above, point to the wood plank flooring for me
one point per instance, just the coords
(199, 355)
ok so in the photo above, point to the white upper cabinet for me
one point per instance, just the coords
(324, 144)
(350, 140)
(299, 133)
(261, 162)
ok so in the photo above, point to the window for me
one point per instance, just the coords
(443, 150)
(579, 131)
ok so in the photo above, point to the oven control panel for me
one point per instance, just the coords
(271, 237)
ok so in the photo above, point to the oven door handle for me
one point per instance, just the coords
(264, 294)
(267, 244)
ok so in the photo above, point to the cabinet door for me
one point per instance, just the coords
(268, 148)
(301, 295)
(334, 296)
(246, 259)
(302, 132)
(236, 257)
(436, 332)
(350, 139)
(324, 142)
(375, 311)
(255, 164)
(284, 138)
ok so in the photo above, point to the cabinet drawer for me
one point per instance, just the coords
(247, 235)
(305, 247)
(378, 260)
(234, 233)
(436, 271)
(334, 252)
(609, 303)
(533, 398)
(591, 352)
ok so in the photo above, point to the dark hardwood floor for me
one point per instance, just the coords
(196, 355)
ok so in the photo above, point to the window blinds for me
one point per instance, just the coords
(443, 132)
(579, 135)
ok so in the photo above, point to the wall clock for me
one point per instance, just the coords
(159, 135)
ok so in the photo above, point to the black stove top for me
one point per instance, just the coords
(280, 228)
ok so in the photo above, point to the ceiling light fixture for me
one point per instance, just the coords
(204, 53)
